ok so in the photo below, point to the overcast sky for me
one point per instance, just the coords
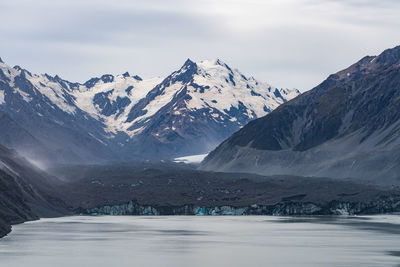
(288, 43)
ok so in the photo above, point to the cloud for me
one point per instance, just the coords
(289, 43)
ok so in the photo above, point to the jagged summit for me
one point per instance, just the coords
(370, 63)
(17, 67)
(188, 62)
(188, 112)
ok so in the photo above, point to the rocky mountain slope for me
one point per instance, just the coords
(348, 126)
(124, 117)
(45, 121)
(26, 193)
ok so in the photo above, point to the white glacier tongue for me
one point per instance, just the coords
(191, 159)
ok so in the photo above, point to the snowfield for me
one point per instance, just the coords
(191, 159)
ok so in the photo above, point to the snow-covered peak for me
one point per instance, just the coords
(190, 111)
(210, 89)
(108, 81)
(53, 88)
(110, 98)
(216, 85)
(211, 64)
(126, 103)
(217, 67)
(8, 71)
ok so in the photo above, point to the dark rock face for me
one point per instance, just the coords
(26, 193)
(107, 107)
(339, 129)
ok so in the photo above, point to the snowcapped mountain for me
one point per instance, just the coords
(44, 109)
(122, 117)
(198, 106)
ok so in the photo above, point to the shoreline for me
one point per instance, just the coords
(292, 209)
(335, 208)
(383, 205)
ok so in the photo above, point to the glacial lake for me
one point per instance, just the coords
(176, 241)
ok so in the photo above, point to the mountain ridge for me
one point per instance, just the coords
(345, 127)
(117, 118)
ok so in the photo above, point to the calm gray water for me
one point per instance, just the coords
(204, 241)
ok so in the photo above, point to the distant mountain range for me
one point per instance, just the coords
(124, 117)
(348, 126)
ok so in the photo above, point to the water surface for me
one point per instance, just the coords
(204, 241)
